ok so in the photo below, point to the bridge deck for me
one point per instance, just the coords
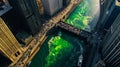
(73, 29)
(68, 27)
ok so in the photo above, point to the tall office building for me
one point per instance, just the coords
(9, 46)
(111, 44)
(109, 11)
(115, 9)
(52, 6)
(25, 14)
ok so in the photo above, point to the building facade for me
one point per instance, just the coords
(9, 46)
(52, 6)
(26, 14)
(111, 44)
(108, 13)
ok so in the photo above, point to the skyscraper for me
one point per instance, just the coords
(111, 44)
(9, 46)
(109, 11)
(28, 14)
(52, 6)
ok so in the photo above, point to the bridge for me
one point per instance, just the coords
(73, 29)
(69, 28)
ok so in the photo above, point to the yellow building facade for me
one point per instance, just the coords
(9, 46)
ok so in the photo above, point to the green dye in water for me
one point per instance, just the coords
(60, 49)
(79, 17)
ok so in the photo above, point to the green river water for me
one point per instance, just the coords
(85, 15)
(79, 17)
(61, 49)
